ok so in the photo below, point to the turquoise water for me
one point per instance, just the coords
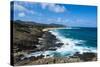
(88, 35)
(74, 39)
(80, 39)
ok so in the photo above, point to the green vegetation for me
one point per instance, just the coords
(29, 37)
(26, 37)
(26, 34)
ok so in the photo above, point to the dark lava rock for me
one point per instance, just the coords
(88, 56)
(77, 54)
(59, 44)
(48, 40)
(53, 48)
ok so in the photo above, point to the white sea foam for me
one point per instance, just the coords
(71, 28)
(69, 48)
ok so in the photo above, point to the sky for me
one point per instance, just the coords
(66, 14)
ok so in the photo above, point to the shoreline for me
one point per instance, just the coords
(76, 58)
(47, 29)
(30, 40)
(88, 56)
(39, 59)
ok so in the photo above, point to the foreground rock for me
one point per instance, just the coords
(75, 58)
(30, 38)
(48, 41)
(86, 56)
(48, 61)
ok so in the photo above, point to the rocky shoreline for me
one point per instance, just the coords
(75, 58)
(29, 39)
(45, 43)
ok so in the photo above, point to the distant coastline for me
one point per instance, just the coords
(47, 29)
(32, 41)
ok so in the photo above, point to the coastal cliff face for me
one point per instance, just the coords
(29, 37)
(26, 36)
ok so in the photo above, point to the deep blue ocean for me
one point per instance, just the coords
(75, 39)
(87, 35)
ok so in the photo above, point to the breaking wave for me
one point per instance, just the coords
(69, 48)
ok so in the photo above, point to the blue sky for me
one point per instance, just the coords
(66, 14)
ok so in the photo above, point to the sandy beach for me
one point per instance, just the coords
(47, 29)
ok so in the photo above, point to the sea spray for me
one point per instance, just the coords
(70, 47)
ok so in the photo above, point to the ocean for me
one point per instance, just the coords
(75, 39)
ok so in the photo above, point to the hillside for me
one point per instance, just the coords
(29, 37)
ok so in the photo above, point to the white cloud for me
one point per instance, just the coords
(57, 8)
(22, 14)
(59, 20)
(21, 8)
(53, 7)
(23, 11)
(44, 5)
